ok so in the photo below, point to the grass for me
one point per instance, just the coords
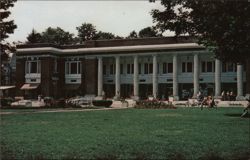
(183, 133)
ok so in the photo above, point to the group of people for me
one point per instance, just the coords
(228, 96)
(208, 101)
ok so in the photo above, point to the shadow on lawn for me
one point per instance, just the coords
(237, 115)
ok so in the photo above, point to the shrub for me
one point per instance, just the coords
(154, 104)
(6, 101)
(104, 103)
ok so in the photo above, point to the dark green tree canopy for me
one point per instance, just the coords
(51, 35)
(6, 26)
(222, 25)
(148, 32)
(86, 31)
(132, 34)
(34, 37)
(104, 35)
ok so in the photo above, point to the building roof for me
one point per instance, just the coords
(113, 46)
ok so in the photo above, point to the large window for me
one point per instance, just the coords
(167, 68)
(73, 67)
(229, 67)
(207, 66)
(187, 67)
(33, 67)
(130, 68)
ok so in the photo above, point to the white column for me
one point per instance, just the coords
(217, 77)
(136, 78)
(175, 77)
(239, 82)
(196, 75)
(117, 77)
(155, 83)
(100, 77)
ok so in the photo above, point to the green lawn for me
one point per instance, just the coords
(183, 133)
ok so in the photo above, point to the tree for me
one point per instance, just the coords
(6, 27)
(34, 37)
(148, 32)
(222, 26)
(104, 35)
(86, 32)
(132, 34)
(57, 36)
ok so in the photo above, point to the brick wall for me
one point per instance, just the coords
(20, 75)
(47, 64)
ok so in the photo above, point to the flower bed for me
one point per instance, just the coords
(154, 104)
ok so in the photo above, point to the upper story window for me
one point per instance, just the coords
(167, 68)
(207, 66)
(130, 68)
(229, 67)
(73, 67)
(33, 67)
(187, 67)
(104, 70)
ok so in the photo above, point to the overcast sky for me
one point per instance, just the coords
(118, 17)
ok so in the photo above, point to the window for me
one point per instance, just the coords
(145, 68)
(207, 66)
(150, 68)
(128, 68)
(164, 69)
(104, 70)
(121, 68)
(189, 67)
(111, 69)
(186, 67)
(73, 67)
(139, 68)
(229, 67)
(170, 68)
(33, 67)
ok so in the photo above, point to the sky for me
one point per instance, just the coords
(118, 17)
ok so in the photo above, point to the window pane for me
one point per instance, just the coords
(183, 67)
(121, 68)
(203, 67)
(132, 70)
(146, 68)
(111, 69)
(104, 70)
(170, 67)
(164, 68)
(128, 68)
(73, 68)
(139, 68)
(150, 68)
(189, 67)
(209, 66)
(230, 67)
(33, 67)
(224, 67)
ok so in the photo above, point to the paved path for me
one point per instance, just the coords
(57, 110)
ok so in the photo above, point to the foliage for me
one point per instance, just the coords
(6, 102)
(104, 103)
(34, 37)
(127, 134)
(104, 35)
(154, 104)
(222, 26)
(86, 31)
(132, 34)
(148, 32)
(6, 27)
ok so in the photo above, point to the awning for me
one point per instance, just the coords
(72, 87)
(29, 86)
(6, 87)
